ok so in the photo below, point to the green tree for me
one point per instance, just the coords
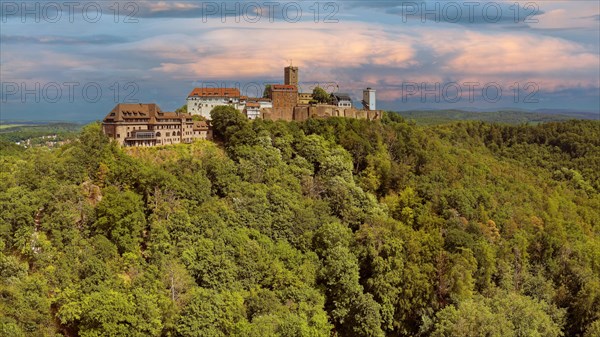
(364, 319)
(320, 95)
(120, 217)
(340, 276)
(226, 120)
(267, 91)
(114, 313)
(504, 315)
(211, 314)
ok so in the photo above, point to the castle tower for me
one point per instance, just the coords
(369, 99)
(291, 75)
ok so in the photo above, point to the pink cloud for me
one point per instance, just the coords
(520, 57)
(484, 54)
(221, 53)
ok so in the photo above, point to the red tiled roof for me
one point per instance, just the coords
(200, 126)
(172, 115)
(215, 92)
(147, 112)
(252, 105)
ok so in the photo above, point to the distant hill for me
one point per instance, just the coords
(23, 131)
(432, 117)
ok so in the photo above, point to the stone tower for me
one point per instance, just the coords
(291, 75)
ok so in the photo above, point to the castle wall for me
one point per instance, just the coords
(304, 112)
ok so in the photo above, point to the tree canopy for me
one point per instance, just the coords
(320, 95)
(328, 227)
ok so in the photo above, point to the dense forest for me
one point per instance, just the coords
(329, 227)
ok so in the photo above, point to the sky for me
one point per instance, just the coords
(75, 60)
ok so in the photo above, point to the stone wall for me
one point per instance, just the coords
(303, 112)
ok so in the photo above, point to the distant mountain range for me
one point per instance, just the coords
(508, 116)
(592, 115)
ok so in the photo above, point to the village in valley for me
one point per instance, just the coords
(139, 124)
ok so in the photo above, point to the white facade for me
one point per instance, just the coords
(265, 104)
(370, 99)
(202, 106)
(201, 101)
(252, 112)
(344, 104)
(341, 100)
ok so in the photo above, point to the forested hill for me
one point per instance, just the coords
(432, 117)
(328, 227)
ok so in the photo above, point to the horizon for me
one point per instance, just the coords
(581, 115)
(76, 64)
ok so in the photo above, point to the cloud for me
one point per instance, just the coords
(263, 52)
(170, 53)
(491, 13)
(226, 10)
(523, 55)
(367, 52)
(63, 40)
(468, 13)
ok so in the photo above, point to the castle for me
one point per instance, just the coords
(283, 102)
(147, 125)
